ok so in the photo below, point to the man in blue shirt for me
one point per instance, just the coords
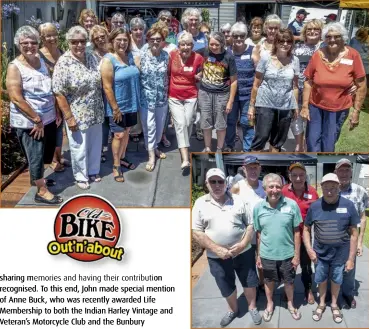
(296, 25)
(335, 221)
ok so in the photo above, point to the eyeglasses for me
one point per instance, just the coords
(163, 19)
(215, 181)
(77, 42)
(282, 42)
(100, 37)
(28, 43)
(239, 36)
(137, 29)
(334, 37)
(158, 40)
(118, 22)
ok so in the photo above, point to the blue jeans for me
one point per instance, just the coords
(324, 270)
(348, 284)
(323, 129)
(240, 107)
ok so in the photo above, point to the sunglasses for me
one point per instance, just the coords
(215, 181)
(77, 42)
(282, 42)
(239, 36)
(165, 19)
(334, 37)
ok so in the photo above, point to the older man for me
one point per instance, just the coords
(335, 221)
(304, 195)
(297, 24)
(359, 197)
(251, 190)
(222, 224)
(276, 221)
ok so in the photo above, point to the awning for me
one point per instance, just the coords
(271, 159)
(362, 4)
(161, 4)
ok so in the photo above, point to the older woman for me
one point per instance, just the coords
(311, 35)
(154, 93)
(226, 30)
(272, 25)
(275, 93)
(77, 86)
(184, 64)
(50, 53)
(191, 21)
(32, 108)
(245, 57)
(218, 88)
(165, 16)
(118, 21)
(331, 72)
(120, 77)
(256, 29)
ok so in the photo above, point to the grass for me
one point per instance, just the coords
(356, 140)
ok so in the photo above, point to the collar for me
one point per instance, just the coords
(290, 187)
(349, 190)
(282, 201)
(227, 194)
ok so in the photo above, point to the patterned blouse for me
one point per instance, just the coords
(81, 85)
(154, 79)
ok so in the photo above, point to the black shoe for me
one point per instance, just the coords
(55, 200)
(228, 318)
(350, 300)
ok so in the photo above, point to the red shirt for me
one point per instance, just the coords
(309, 196)
(330, 84)
(182, 77)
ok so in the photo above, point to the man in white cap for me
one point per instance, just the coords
(359, 197)
(222, 224)
(335, 221)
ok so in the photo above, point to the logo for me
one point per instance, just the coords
(87, 228)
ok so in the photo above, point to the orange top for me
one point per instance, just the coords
(331, 82)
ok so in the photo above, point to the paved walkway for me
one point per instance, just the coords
(208, 307)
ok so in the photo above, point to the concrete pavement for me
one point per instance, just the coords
(208, 306)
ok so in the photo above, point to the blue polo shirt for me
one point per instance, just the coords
(332, 228)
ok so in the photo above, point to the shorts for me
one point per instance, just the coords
(212, 108)
(278, 270)
(128, 120)
(324, 270)
(223, 270)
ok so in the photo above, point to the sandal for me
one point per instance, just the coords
(119, 178)
(57, 167)
(126, 164)
(95, 178)
(166, 142)
(150, 166)
(337, 317)
(206, 150)
(65, 162)
(160, 154)
(318, 315)
(83, 185)
(296, 315)
(267, 316)
(55, 200)
(309, 299)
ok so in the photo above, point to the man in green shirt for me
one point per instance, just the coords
(276, 221)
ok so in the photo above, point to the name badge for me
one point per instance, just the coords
(200, 41)
(188, 69)
(341, 210)
(285, 210)
(308, 196)
(346, 61)
(211, 59)
(245, 57)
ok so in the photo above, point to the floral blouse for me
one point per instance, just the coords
(81, 85)
(154, 79)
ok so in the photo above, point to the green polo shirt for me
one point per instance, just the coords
(277, 228)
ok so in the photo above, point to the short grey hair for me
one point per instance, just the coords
(76, 30)
(272, 19)
(190, 12)
(225, 27)
(185, 37)
(335, 27)
(165, 13)
(137, 21)
(118, 15)
(26, 32)
(218, 36)
(271, 177)
(239, 27)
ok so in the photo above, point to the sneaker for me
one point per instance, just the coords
(255, 315)
(228, 318)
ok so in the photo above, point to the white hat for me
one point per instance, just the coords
(215, 172)
(330, 178)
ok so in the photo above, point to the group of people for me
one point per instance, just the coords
(262, 231)
(120, 83)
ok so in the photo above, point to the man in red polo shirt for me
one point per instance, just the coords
(304, 195)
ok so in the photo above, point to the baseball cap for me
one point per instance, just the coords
(215, 172)
(330, 178)
(342, 162)
(302, 12)
(297, 165)
(249, 159)
(331, 17)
